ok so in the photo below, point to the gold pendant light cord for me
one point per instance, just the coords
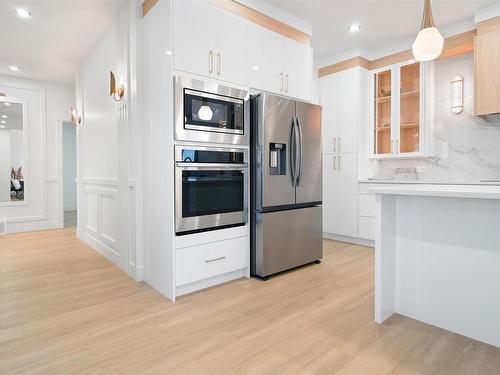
(427, 20)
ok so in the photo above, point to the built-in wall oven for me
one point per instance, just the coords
(211, 188)
(206, 111)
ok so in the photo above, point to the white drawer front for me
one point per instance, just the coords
(367, 205)
(204, 261)
(367, 228)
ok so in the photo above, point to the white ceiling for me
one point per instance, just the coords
(49, 45)
(383, 22)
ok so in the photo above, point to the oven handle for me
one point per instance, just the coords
(211, 166)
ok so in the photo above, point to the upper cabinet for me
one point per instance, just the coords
(279, 64)
(487, 57)
(209, 41)
(398, 97)
(297, 69)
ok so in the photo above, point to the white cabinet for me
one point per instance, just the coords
(194, 37)
(297, 67)
(265, 51)
(331, 196)
(340, 194)
(401, 110)
(209, 41)
(342, 103)
(279, 64)
(230, 51)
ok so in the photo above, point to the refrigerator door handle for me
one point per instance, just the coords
(293, 152)
(300, 152)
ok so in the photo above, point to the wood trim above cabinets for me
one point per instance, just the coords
(251, 15)
(488, 25)
(344, 65)
(147, 5)
(453, 46)
(263, 20)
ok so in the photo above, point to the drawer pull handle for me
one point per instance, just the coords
(214, 260)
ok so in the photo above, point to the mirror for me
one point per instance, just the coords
(12, 174)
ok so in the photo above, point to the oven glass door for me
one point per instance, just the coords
(208, 198)
(214, 113)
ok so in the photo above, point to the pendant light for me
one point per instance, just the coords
(429, 43)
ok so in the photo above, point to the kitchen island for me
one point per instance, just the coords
(437, 257)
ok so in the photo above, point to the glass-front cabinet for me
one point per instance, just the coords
(398, 111)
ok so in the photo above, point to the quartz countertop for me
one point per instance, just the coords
(429, 182)
(434, 190)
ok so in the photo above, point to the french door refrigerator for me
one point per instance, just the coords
(286, 191)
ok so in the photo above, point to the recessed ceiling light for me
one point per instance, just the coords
(5, 116)
(6, 103)
(4, 122)
(256, 67)
(14, 68)
(354, 27)
(2, 126)
(23, 13)
(168, 52)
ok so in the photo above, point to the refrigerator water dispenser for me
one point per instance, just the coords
(277, 159)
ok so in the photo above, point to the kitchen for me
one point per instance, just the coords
(440, 141)
(269, 186)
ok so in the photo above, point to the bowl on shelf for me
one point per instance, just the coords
(385, 92)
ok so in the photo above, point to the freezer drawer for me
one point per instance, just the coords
(286, 239)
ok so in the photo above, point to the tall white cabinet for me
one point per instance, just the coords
(341, 96)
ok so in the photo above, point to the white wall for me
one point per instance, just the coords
(69, 166)
(47, 105)
(466, 147)
(107, 174)
(5, 165)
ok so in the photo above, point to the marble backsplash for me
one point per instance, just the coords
(466, 147)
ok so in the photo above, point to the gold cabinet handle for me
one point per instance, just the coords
(281, 83)
(214, 259)
(334, 163)
(286, 82)
(340, 165)
(340, 144)
(211, 62)
(218, 63)
(334, 144)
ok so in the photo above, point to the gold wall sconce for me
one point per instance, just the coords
(116, 91)
(75, 117)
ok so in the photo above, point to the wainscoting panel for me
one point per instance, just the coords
(92, 209)
(101, 219)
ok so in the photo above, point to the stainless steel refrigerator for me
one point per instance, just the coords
(286, 192)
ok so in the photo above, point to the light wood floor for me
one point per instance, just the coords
(64, 309)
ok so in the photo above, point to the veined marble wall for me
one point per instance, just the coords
(466, 147)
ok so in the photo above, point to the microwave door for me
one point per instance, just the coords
(275, 127)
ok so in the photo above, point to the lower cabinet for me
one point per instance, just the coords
(340, 194)
(204, 261)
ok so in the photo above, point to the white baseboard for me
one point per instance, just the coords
(137, 272)
(69, 209)
(353, 240)
(102, 248)
(202, 284)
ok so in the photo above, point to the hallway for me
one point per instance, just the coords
(65, 309)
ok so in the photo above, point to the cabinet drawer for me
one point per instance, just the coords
(367, 205)
(367, 228)
(208, 260)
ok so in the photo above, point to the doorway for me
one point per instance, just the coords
(69, 175)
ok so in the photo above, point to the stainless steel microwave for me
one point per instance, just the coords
(210, 112)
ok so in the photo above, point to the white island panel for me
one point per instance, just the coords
(438, 258)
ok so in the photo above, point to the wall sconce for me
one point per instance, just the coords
(75, 117)
(457, 95)
(116, 91)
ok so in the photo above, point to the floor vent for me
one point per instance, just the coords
(3, 227)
